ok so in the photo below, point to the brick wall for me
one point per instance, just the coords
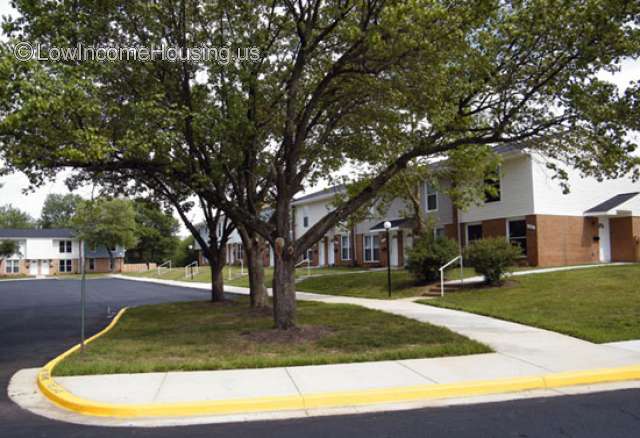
(564, 240)
(625, 232)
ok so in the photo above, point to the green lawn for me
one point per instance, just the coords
(236, 278)
(365, 285)
(599, 304)
(206, 336)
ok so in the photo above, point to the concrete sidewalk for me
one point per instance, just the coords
(520, 351)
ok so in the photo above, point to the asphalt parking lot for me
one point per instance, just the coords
(39, 319)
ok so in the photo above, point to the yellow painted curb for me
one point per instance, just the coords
(60, 396)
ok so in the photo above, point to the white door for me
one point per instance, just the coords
(321, 261)
(44, 267)
(605, 240)
(33, 267)
(332, 254)
(394, 250)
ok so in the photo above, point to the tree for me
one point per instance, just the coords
(8, 248)
(106, 222)
(333, 81)
(11, 217)
(58, 210)
(157, 233)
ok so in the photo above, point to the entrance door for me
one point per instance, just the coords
(321, 255)
(44, 267)
(332, 258)
(605, 239)
(33, 267)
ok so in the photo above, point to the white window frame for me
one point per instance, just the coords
(347, 246)
(12, 266)
(371, 239)
(428, 193)
(65, 266)
(67, 247)
(499, 171)
(466, 231)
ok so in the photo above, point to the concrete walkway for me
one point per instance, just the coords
(480, 278)
(519, 351)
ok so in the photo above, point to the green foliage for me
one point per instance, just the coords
(11, 217)
(183, 255)
(428, 254)
(157, 233)
(58, 210)
(492, 257)
(106, 222)
(7, 248)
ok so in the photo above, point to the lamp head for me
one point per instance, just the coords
(387, 225)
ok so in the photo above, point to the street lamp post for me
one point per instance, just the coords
(387, 226)
(83, 295)
(191, 265)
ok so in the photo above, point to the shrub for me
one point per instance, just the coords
(492, 258)
(428, 254)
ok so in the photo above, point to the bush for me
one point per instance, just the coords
(492, 258)
(428, 254)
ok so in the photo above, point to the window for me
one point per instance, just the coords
(438, 233)
(371, 248)
(518, 234)
(12, 266)
(92, 264)
(305, 217)
(345, 247)
(64, 246)
(492, 186)
(431, 196)
(309, 254)
(66, 266)
(474, 232)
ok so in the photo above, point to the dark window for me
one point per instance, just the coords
(492, 186)
(68, 246)
(92, 264)
(345, 247)
(305, 221)
(65, 266)
(474, 232)
(64, 246)
(371, 248)
(432, 197)
(518, 234)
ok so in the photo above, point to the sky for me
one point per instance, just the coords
(13, 186)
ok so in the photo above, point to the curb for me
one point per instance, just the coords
(63, 398)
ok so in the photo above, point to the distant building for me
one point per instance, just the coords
(43, 252)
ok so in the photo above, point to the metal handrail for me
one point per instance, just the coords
(190, 267)
(308, 262)
(445, 266)
(164, 265)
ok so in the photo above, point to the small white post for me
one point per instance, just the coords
(241, 267)
(441, 282)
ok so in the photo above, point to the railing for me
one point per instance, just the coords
(308, 263)
(230, 270)
(442, 268)
(188, 270)
(165, 267)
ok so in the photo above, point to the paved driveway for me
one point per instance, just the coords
(39, 319)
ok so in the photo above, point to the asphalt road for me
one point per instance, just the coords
(39, 319)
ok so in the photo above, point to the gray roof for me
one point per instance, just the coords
(35, 233)
(612, 203)
(333, 190)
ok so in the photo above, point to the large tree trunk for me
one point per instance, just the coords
(217, 281)
(284, 290)
(258, 292)
(253, 249)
